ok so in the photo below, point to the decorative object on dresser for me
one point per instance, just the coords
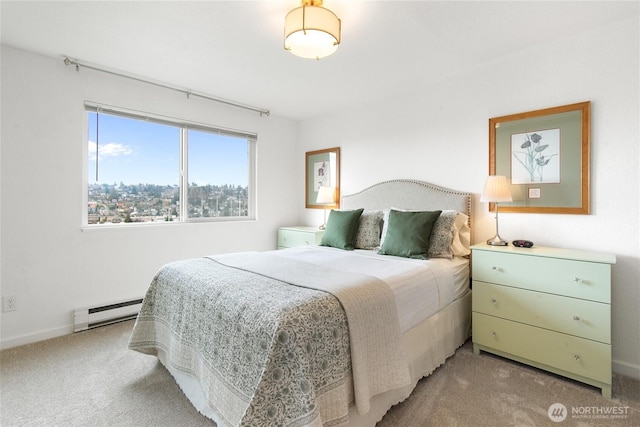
(523, 243)
(326, 196)
(545, 307)
(300, 235)
(496, 190)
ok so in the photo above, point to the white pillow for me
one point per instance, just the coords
(460, 245)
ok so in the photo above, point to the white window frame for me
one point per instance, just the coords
(184, 126)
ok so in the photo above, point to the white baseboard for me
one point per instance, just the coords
(627, 369)
(35, 337)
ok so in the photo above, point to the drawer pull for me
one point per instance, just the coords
(578, 280)
(493, 334)
(306, 242)
(494, 301)
(494, 268)
(577, 357)
(576, 317)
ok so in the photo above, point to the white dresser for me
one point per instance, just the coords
(290, 237)
(546, 307)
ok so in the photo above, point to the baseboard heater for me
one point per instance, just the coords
(93, 317)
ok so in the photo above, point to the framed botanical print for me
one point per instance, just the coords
(545, 155)
(322, 169)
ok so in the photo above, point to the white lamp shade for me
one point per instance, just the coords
(326, 196)
(311, 32)
(496, 189)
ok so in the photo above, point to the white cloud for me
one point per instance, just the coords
(111, 149)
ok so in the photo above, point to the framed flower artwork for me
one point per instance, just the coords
(545, 155)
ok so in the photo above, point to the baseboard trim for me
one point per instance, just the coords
(627, 369)
(35, 337)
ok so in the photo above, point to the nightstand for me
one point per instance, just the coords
(545, 307)
(289, 237)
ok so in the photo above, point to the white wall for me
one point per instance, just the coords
(47, 260)
(439, 133)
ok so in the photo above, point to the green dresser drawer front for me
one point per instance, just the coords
(579, 279)
(291, 238)
(578, 356)
(582, 318)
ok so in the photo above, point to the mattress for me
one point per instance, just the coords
(421, 287)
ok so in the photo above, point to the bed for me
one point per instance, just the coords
(321, 335)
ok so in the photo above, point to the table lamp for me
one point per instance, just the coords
(496, 190)
(325, 197)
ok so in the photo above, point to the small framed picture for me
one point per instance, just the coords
(322, 170)
(534, 193)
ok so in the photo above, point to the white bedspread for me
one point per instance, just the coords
(421, 287)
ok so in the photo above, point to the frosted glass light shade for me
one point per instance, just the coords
(496, 189)
(311, 31)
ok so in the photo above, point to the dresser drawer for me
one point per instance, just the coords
(582, 318)
(292, 237)
(578, 279)
(575, 355)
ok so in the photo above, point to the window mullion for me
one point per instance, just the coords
(184, 174)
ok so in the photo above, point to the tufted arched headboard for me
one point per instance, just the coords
(409, 194)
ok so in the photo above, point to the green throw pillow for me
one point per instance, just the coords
(408, 233)
(341, 229)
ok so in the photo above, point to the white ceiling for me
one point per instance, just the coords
(234, 49)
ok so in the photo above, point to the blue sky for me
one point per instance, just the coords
(137, 151)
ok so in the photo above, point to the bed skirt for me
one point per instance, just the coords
(428, 345)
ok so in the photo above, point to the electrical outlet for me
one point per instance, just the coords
(9, 303)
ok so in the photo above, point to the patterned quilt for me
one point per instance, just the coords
(264, 352)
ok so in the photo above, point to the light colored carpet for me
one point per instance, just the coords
(92, 379)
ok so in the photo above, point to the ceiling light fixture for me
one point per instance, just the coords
(311, 31)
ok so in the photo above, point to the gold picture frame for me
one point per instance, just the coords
(545, 155)
(322, 167)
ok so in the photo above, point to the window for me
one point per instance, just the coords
(145, 169)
